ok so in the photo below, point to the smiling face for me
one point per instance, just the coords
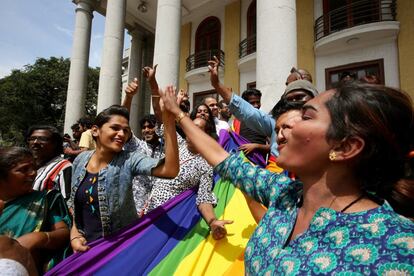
(41, 145)
(20, 178)
(113, 134)
(202, 112)
(148, 132)
(304, 149)
(212, 104)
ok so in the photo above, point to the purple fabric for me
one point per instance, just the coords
(230, 140)
(104, 249)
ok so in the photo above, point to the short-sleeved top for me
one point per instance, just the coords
(194, 171)
(142, 184)
(86, 140)
(116, 203)
(372, 242)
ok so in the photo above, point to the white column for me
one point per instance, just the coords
(276, 48)
(134, 71)
(167, 41)
(109, 92)
(78, 73)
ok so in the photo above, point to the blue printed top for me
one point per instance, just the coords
(372, 242)
(116, 203)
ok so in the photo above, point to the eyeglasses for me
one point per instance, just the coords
(40, 139)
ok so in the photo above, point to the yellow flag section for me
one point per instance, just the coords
(213, 257)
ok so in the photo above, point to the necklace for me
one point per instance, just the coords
(352, 203)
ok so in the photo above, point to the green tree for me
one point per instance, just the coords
(36, 94)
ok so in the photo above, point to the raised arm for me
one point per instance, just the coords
(149, 74)
(170, 168)
(130, 92)
(205, 145)
(223, 91)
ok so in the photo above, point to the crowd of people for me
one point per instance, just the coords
(335, 195)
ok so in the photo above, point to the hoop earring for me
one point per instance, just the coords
(332, 155)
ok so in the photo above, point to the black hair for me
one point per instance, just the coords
(85, 122)
(75, 126)
(105, 115)
(10, 157)
(283, 106)
(211, 126)
(384, 118)
(220, 103)
(150, 118)
(251, 92)
(56, 136)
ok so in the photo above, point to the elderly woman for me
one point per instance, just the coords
(102, 199)
(38, 220)
(348, 150)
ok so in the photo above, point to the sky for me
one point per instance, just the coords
(43, 28)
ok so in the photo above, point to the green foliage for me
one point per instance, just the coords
(36, 94)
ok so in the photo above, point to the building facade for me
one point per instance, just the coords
(257, 42)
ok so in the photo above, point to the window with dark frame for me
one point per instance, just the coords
(198, 97)
(251, 85)
(358, 69)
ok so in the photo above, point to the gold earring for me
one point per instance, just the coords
(332, 155)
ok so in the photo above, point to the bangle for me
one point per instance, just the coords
(179, 117)
(48, 238)
(77, 237)
(156, 96)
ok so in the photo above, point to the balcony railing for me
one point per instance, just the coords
(247, 46)
(201, 58)
(357, 13)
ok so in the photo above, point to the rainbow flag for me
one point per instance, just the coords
(174, 239)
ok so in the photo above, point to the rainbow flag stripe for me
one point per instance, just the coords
(173, 239)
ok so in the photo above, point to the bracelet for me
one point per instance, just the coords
(77, 237)
(48, 238)
(179, 117)
(156, 96)
(211, 221)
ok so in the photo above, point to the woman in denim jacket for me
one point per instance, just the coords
(101, 200)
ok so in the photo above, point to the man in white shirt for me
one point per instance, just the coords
(212, 104)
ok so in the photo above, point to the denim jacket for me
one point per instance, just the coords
(116, 203)
(255, 119)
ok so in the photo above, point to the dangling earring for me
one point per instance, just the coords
(332, 155)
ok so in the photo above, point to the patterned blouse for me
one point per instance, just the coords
(372, 242)
(142, 184)
(194, 171)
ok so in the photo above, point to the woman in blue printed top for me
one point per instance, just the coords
(348, 150)
(102, 200)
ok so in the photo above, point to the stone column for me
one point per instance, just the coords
(276, 48)
(167, 42)
(109, 92)
(134, 71)
(78, 74)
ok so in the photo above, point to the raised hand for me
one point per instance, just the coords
(218, 230)
(149, 73)
(169, 100)
(213, 69)
(132, 88)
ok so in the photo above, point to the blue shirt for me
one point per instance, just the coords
(371, 242)
(255, 119)
(116, 203)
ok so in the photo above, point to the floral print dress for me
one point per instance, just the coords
(372, 242)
